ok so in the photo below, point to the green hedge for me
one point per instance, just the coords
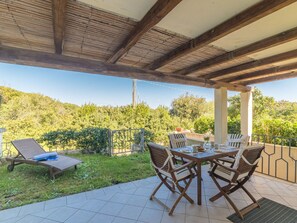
(89, 140)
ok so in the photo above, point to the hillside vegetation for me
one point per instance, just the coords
(33, 115)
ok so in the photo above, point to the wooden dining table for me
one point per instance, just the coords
(199, 158)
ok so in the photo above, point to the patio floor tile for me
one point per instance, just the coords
(80, 216)
(129, 203)
(195, 210)
(48, 221)
(9, 213)
(138, 200)
(102, 218)
(218, 213)
(111, 208)
(54, 203)
(120, 198)
(195, 219)
(93, 205)
(151, 216)
(44, 214)
(76, 198)
(62, 214)
(11, 220)
(131, 212)
(30, 219)
(32, 208)
(175, 218)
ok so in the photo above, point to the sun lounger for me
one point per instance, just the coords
(28, 148)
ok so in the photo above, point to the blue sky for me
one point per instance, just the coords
(80, 88)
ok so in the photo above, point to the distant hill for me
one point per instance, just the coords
(32, 115)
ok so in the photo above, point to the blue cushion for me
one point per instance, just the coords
(46, 156)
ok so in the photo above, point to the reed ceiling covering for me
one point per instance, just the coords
(212, 43)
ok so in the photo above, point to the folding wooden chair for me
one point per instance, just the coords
(170, 174)
(177, 140)
(236, 176)
(235, 141)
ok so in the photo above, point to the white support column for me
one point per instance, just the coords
(221, 112)
(246, 113)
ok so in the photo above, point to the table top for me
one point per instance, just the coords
(186, 152)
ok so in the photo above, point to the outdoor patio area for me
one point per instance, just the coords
(129, 202)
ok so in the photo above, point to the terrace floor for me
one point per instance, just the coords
(129, 203)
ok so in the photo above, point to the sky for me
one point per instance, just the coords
(81, 88)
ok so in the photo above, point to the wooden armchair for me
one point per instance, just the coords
(236, 176)
(177, 140)
(235, 141)
(170, 174)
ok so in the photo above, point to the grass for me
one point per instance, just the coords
(29, 184)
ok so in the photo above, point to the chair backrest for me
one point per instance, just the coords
(237, 140)
(28, 148)
(247, 158)
(160, 157)
(177, 140)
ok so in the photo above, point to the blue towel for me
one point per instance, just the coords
(46, 156)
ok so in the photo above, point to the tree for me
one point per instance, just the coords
(190, 107)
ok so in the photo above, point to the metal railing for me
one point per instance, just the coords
(126, 141)
(120, 142)
(279, 158)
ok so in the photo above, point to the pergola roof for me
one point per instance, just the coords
(213, 43)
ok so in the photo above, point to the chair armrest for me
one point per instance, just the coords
(223, 166)
(186, 165)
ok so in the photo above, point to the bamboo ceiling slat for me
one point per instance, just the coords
(228, 64)
(32, 29)
(200, 55)
(155, 43)
(244, 72)
(97, 33)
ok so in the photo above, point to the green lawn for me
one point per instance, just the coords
(29, 184)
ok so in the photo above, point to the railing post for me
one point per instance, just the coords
(110, 146)
(1, 140)
(142, 140)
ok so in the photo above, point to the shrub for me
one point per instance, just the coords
(93, 140)
(204, 124)
(234, 126)
(89, 140)
(59, 139)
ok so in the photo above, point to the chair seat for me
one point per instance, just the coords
(184, 173)
(227, 174)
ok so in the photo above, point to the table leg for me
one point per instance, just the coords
(199, 187)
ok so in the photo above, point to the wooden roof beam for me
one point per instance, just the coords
(238, 21)
(292, 74)
(59, 11)
(55, 61)
(262, 73)
(233, 71)
(160, 9)
(261, 45)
